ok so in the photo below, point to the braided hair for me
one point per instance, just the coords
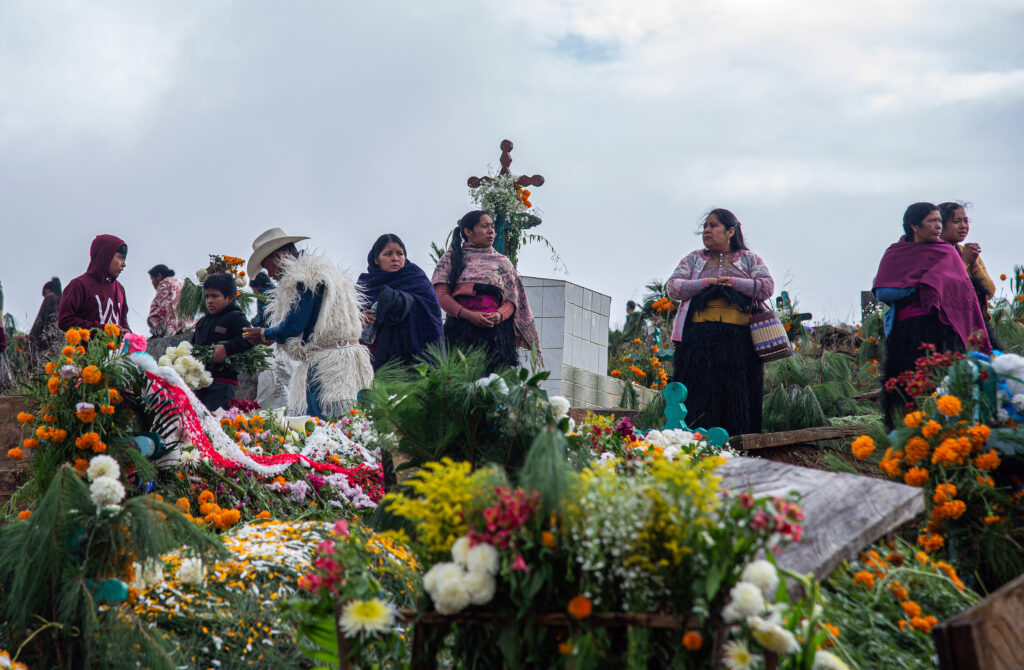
(467, 222)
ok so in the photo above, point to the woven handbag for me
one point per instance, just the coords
(770, 340)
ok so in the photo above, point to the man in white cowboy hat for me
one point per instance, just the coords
(314, 315)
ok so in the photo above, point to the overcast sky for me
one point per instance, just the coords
(189, 128)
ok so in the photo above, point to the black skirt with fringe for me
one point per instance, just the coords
(723, 376)
(499, 342)
(903, 348)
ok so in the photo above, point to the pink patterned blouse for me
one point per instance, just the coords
(163, 320)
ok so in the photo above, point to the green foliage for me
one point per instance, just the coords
(446, 407)
(803, 391)
(251, 361)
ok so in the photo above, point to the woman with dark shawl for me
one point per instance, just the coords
(483, 295)
(44, 333)
(402, 316)
(718, 287)
(931, 300)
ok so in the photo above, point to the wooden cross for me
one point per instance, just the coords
(501, 238)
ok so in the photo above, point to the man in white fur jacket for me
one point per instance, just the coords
(314, 315)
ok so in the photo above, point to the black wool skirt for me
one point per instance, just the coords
(903, 348)
(723, 376)
(499, 342)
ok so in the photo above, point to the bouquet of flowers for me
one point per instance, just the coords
(191, 370)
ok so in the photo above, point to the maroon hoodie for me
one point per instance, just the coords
(95, 298)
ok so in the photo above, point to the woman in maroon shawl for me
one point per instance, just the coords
(931, 299)
(482, 295)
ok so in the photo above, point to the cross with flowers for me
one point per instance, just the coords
(529, 220)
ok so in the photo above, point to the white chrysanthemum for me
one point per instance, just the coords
(164, 361)
(773, 637)
(560, 406)
(738, 656)
(1002, 416)
(239, 282)
(763, 574)
(106, 491)
(494, 382)
(205, 379)
(451, 595)
(482, 558)
(366, 617)
(149, 574)
(190, 457)
(480, 586)
(103, 466)
(1018, 402)
(179, 367)
(460, 550)
(745, 600)
(440, 572)
(184, 348)
(826, 660)
(191, 571)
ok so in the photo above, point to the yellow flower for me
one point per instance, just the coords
(949, 405)
(366, 617)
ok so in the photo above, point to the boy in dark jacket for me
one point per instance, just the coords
(96, 298)
(221, 328)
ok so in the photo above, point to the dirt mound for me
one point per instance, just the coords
(12, 473)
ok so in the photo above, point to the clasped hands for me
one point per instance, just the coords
(721, 281)
(481, 319)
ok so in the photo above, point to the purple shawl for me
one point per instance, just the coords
(484, 265)
(938, 274)
(424, 323)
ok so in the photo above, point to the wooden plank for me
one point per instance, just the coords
(765, 440)
(843, 513)
(989, 635)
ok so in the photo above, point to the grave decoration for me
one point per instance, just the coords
(192, 301)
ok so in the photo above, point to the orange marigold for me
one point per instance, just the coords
(111, 330)
(890, 465)
(265, 514)
(114, 395)
(91, 374)
(30, 443)
(987, 461)
(81, 465)
(949, 405)
(924, 624)
(865, 578)
(73, 336)
(99, 448)
(911, 608)
(896, 558)
(53, 385)
(930, 429)
(944, 493)
(899, 592)
(692, 640)
(86, 415)
(107, 409)
(15, 454)
(979, 435)
(24, 514)
(50, 368)
(863, 447)
(207, 496)
(930, 542)
(547, 538)
(183, 505)
(916, 449)
(913, 420)
(613, 373)
(25, 417)
(985, 481)
(993, 519)
(580, 607)
(915, 477)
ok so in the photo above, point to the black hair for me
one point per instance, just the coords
(467, 222)
(161, 270)
(630, 304)
(914, 216)
(260, 280)
(378, 247)
(948, 209)
(53, 286)
(729, 220)
(123, 250)
(222, 282)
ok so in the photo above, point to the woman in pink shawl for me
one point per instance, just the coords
(163, 318)
(482, 295)
(931, 300)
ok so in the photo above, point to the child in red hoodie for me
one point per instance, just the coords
(96, 298)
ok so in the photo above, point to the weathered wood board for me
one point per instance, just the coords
(843, 513)
(988, 636)
(751, 441)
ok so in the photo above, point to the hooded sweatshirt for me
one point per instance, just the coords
(95, 298)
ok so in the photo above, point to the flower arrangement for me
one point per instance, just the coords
(191, 370)
(513, 210)
(251, 361)
(610, 440)
(192, 302)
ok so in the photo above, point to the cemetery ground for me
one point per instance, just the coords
(517, 537)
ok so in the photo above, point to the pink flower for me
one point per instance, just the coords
(760, 521)
(341, 528)
(746, 500)
(798, 533)
(519, 564)
(135, 342)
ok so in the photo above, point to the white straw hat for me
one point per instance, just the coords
(266, 244)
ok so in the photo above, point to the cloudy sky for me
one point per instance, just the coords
(189, 128)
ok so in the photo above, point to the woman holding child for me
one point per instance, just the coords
(402, 316)
(483, 296)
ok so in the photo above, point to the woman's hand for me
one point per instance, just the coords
(478, 319)
(369, 316)
(971, 252)
(724, 281)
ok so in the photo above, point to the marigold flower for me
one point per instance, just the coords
(115, 396)
(911, 608)
(865, 578)
(24, 514)
(692, 640)
(915, 477)
(890, 465)
(53, 385)
(86, 416)
(1003, 276)
(985, 481)
(916, 449)
(863, 447)
(614, 373)
(896, 559)
(565, 648)
(99, 447)
(50, 368)
(924, 624)
(73, 336)
(30, 443)
(58, 435)
(833, 632)
(949, 405)
(931, 543)
(930, 429)
(206, 496)
(953, 509)
(183, 505)
(91, 374)
(913, 420)
(547, 538)
(265, 514)
(107, 409)
(15, 454)
(944, 493)
(987, 461)
(899, 592)
(111, 330)
(67, 351)
(993, 519)
(580, 607)
(208, 508)
(81, 465)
